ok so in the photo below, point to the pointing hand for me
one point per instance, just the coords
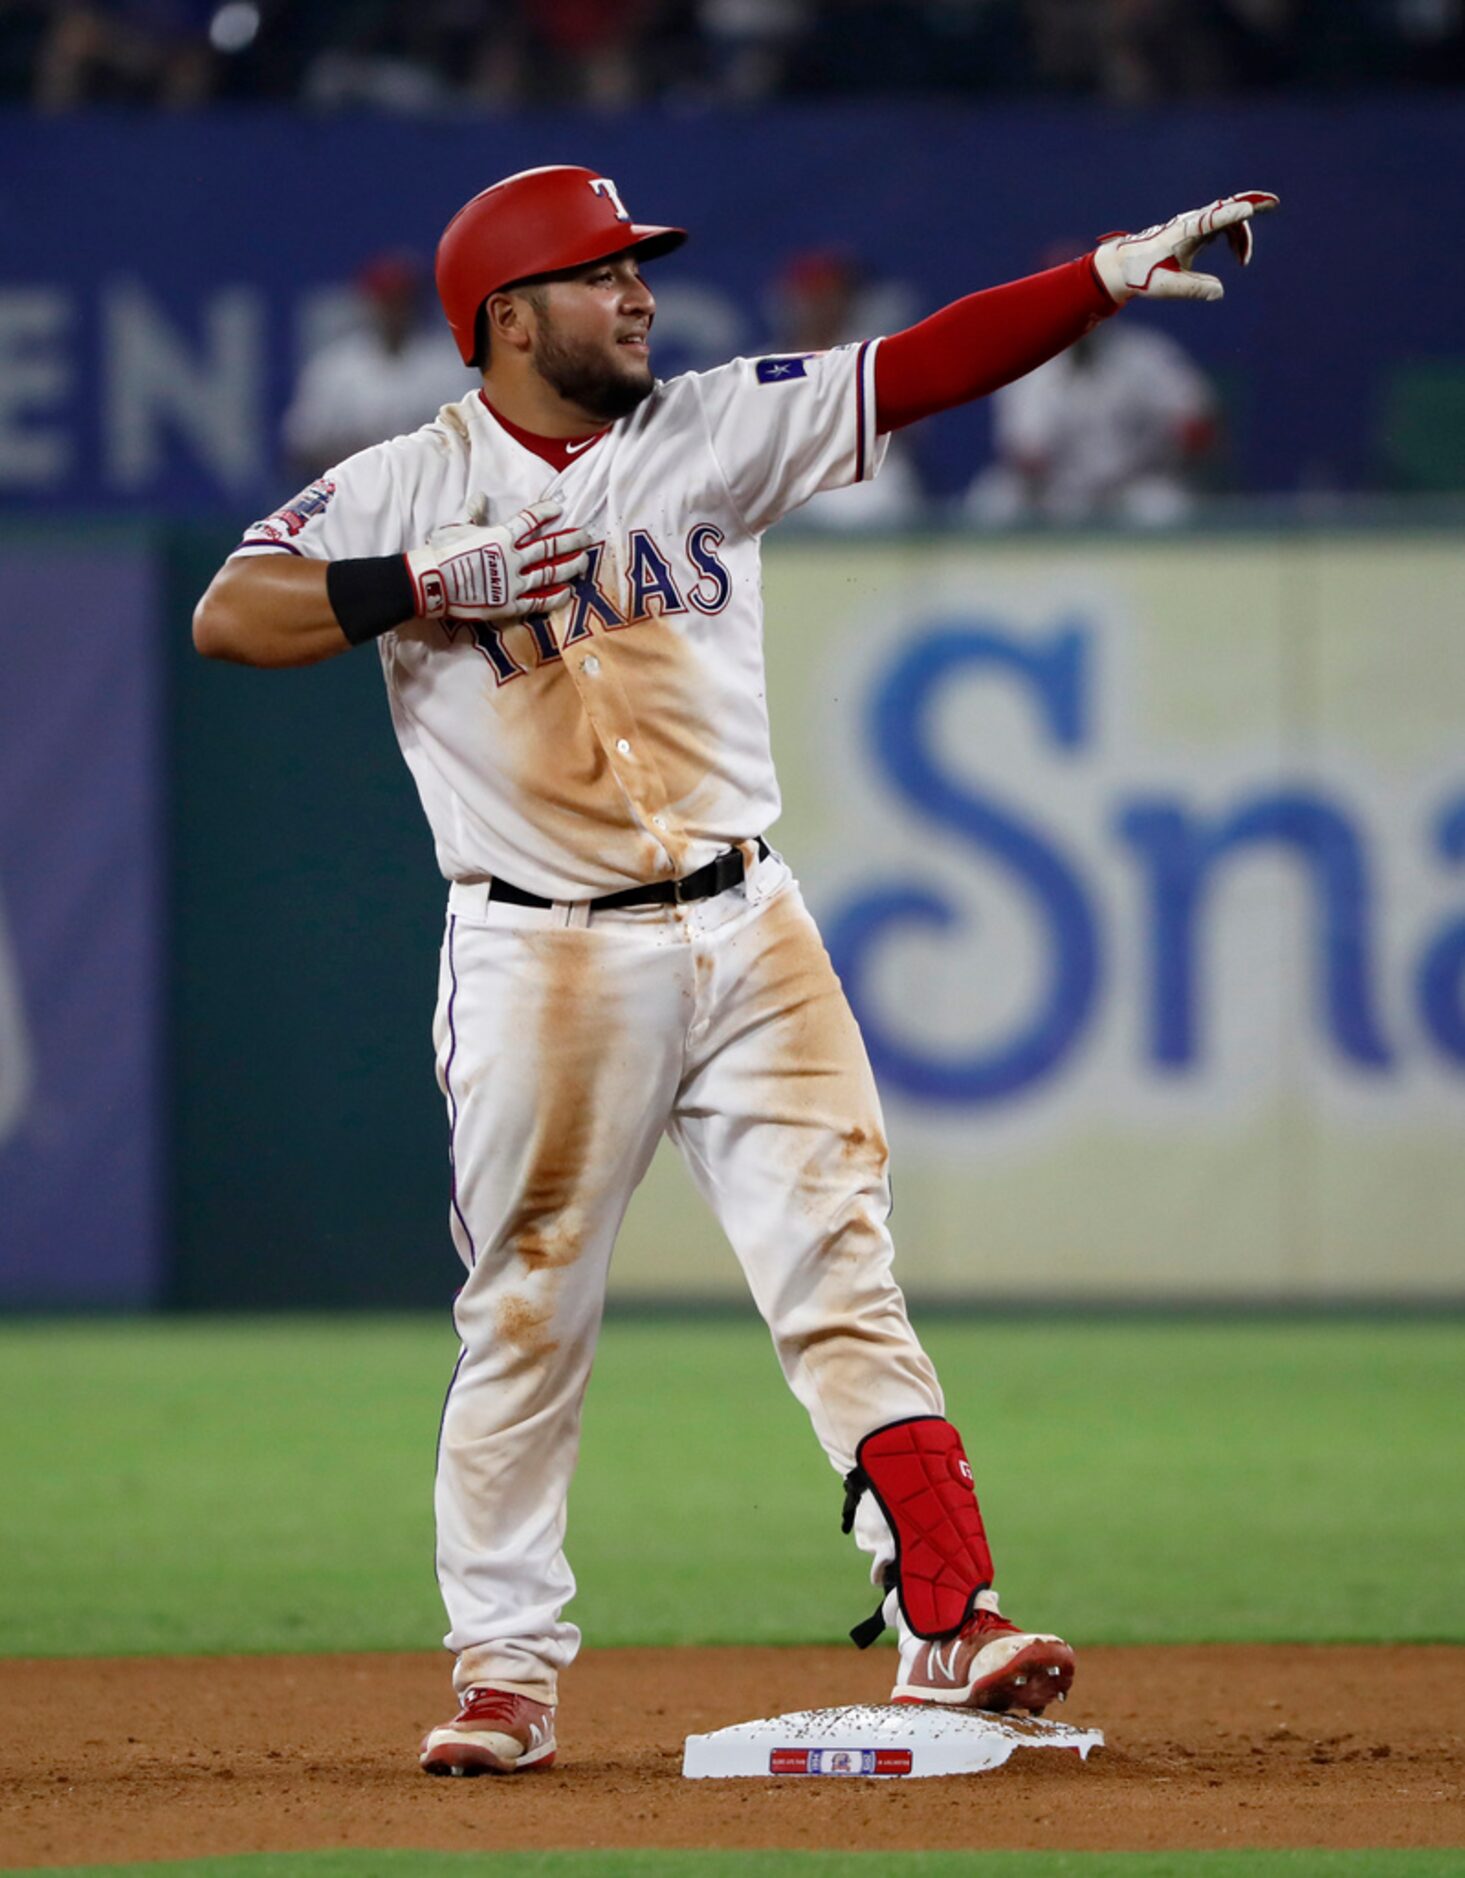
(1157, 261)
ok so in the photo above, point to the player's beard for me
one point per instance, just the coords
(580, 374)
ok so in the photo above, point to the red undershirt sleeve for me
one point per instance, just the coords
(985, 341)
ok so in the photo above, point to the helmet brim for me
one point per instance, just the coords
(647, 244)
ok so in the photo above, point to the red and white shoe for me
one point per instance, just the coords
(493, 1733)
(989, 1664)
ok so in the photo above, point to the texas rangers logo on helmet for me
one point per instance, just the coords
(603, 186)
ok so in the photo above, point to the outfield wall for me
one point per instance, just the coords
(1141, 862)
(81, 921)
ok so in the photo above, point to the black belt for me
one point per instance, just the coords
(716, 877)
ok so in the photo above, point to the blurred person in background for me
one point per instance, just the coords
(883, 48)
(823, 299)
(387, 375)
(379, 57)
(153, 52)
(1114, 429)
(1130, 52)
(593, 51)
(749, 44)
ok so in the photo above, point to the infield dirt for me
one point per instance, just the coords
(1209, 1746)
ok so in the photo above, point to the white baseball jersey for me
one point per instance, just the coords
(624, 738)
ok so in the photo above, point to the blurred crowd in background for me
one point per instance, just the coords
(421, 55)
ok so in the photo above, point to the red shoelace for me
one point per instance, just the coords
(488, 1705)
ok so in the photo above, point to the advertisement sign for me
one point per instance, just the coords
(1142, 867)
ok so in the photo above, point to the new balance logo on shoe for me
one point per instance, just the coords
(943, 1659)
(990, 1664)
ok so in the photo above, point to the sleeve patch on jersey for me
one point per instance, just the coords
(779, 371)
(309, 503)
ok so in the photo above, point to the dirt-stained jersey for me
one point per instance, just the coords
(624, 737)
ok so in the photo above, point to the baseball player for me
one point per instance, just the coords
(560, 574)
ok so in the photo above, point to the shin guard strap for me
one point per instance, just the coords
(922, 1483)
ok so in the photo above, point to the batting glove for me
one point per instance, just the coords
(467, 571)
(1156, 261)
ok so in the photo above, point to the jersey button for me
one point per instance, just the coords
(590, 665)
(623, 746)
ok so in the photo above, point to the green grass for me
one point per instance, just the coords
(1230, 1864)
(230, 1485)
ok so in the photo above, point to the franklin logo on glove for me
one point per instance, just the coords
(471, 572)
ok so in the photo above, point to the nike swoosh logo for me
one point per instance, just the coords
(572, 449)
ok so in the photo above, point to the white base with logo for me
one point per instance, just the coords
(897, 1740)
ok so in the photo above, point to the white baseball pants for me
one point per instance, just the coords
(566, 1045)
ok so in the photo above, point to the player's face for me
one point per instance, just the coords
(592, 337)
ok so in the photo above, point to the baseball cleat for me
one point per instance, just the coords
(989, 1664)
(493, 1733)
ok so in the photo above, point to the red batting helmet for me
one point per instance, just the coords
(538, 222)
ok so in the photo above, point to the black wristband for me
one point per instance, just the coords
(371, 595)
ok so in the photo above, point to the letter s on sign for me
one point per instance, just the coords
(1053, 671)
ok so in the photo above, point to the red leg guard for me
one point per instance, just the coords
(922, 1482)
